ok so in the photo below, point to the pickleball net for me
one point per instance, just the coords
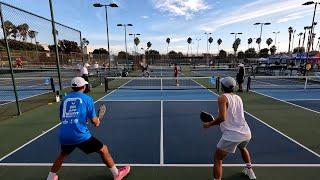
(160, 83)
(28, 84)
(283, 82)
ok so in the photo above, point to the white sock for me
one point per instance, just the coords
(51, 175)
(248, 165)
(114, 171)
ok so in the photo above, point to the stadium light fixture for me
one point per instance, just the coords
(98, 5)
(261, 24)
(125, 39)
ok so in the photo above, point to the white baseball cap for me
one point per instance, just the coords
(241, 65)
(228, 82)
(78, 82)
(86, 65)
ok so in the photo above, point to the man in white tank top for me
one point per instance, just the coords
(235, 130)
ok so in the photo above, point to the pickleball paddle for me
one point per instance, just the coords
(102, 111)
(206, 117)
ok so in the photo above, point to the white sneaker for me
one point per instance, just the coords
(249, 173)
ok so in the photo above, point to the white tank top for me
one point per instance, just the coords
(235, 127)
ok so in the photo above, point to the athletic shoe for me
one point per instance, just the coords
(53, 178)
(249, 173)
(123, 172)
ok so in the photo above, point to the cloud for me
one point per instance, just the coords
(186, 8)
(145, 17)
(253, 10)
(295, 15)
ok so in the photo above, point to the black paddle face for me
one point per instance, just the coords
(206, 117)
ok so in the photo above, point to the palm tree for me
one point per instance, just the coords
(290, 30)
(189, 40)
(269, 42)
(32, 34)
(168, 42)
(14, 32)
(293, 34)
(136, 43)
(8, 26)
(210, 40)
(85, 42)
(258, 41)
(249, 42)
(273, 49)
(318, 43)
(23, 31)
(304, 35)
(236, 44)
(300, 35)
(219, 41)
(149, 44)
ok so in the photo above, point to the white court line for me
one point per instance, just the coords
(291, 139)
(302, 99)
(47, 131)
(161, 136)
(157, 100)
(210, 91)
(285, 102)
(156, 165)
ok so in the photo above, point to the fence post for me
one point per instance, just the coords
(10, 61)
(81, 43)
(55, 44)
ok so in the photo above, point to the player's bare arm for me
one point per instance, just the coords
(222, 103)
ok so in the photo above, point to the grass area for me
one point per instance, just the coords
(10, 110)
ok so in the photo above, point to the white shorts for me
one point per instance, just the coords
(230, 147)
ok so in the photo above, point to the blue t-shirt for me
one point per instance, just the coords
(75, 109)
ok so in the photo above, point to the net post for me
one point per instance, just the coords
(306, 82)
(52, 84)
(218, 84)
(248, 83)
(10, 61)
(106, 84)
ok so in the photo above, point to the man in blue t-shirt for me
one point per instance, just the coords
(75, 110)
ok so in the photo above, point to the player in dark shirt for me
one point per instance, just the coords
(176, 73)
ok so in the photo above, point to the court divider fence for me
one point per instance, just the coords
(29, 62)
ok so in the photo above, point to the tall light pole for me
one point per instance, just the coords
(198, 39)
(275, 38)
(125, 39)
(235, 35)
(113, 5)
(261, 24)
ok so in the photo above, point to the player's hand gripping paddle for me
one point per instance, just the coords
(206, 117)
(102, 111)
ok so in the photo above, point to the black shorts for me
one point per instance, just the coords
(89, 146)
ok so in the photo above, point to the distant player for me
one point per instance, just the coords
(240, 77)
(75, 110)
(235, 130)
(19, 63)
(176, 73)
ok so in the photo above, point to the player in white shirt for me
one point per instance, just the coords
(235, 130)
